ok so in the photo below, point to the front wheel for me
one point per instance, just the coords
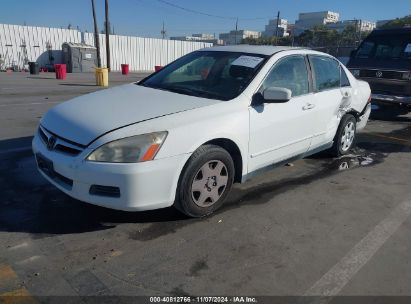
(345, 137)
(205, 181)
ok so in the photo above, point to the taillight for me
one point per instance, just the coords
(369, 99)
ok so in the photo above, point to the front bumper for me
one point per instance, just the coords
(142, 186)
(392, 99)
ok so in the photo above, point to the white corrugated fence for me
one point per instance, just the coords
(21, 44)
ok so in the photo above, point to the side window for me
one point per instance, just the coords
(290, 73)
(326, 73)
(345, 82)
(365, 49)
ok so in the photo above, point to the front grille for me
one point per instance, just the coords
(384, 74)
(66, 149)
(104, 191)
(47, 167)
(61, 144)
(43, 136)
(381, 88)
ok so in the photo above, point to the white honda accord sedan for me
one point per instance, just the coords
(183, 135)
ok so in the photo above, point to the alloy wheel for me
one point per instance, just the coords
(348, 136)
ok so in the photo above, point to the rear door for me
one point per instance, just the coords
(279, 131)
(333, 94)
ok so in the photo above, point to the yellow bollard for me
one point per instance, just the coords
(102, 77)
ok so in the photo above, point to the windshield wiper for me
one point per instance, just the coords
(192, 92)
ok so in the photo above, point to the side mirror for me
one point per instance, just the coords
(276, 95)
(272, 95)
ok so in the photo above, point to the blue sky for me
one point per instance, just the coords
(145, 17)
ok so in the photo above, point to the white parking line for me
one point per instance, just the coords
(341, 273)
(19, 246)
(28, 260)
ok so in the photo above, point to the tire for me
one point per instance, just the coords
(347, 128)
(205, 182)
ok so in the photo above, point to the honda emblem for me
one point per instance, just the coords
(51, 142)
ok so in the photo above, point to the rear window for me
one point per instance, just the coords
(386, 47)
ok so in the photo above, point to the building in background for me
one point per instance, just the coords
(209, 38)
(309, 20)
(271, 28)
(290, 29)
(360, 25)
(235, 37)
(204, 36)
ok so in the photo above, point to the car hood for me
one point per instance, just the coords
(83, 119)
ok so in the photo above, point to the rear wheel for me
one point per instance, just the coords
(205, 181)
(345, 137)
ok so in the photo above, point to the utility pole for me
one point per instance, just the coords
(96, 35)
(276, 29)
(163, 32)
(236, 30)
(107, 29)
(359, 30)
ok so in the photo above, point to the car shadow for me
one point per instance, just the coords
(30, 204)
(15, 143)
(390, 142)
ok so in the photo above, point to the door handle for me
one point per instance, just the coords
(346, 94)
(308, 106)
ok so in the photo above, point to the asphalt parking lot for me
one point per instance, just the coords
(320, 226)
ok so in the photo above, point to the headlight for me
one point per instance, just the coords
(133, 149)
(356, 73)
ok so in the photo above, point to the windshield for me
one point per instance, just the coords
(385, 47)
(208, 74)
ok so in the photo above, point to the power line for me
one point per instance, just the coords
(207, 14)
(194, 11)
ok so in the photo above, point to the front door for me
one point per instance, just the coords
(279, 131)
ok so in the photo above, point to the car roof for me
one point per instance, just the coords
(396, 30)
(252, 49)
